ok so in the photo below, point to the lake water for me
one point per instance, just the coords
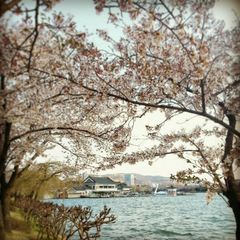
(163, 217)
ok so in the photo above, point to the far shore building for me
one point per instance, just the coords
(78, 192)
(98, 187)
(129, 179)
(123, 189)
(101, 186)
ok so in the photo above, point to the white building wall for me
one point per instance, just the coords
(105, 188)
(129, 179)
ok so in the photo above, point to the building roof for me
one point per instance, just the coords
(121, 184)
(77, 189)
(100, 180)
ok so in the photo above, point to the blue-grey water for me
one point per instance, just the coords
(163, 217)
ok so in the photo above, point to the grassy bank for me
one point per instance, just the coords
(21, 230)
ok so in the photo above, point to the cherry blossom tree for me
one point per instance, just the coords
(57, 88)
(177, 58)
(42, 104)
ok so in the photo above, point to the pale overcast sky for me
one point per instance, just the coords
(86, 18)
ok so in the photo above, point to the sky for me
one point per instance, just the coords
(86, 18)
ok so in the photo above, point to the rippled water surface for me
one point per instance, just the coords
(164, 217)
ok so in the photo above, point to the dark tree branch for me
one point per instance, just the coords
(171, 107)
(65, 148)
(52, 128)
(17, 173)
(203, 96)
(35, 36)
(13, 177)
(168, 10)
(111, 86)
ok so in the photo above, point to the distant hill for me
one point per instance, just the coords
(142, 179)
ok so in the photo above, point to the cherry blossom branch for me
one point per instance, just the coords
(53, 128)
(164, 106)
(143, 155)
(114, 88)
(157, 58)
(65, 148)
(170, 29)
(152, 105)
(229, 86)
(168, 10)
(212, 171)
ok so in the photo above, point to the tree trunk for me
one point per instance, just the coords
(234, 202)
(4, 202)
(2, 230)
(3, 132)
(232, 185)
(5, 205)
(236, 212)
(233, 195)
